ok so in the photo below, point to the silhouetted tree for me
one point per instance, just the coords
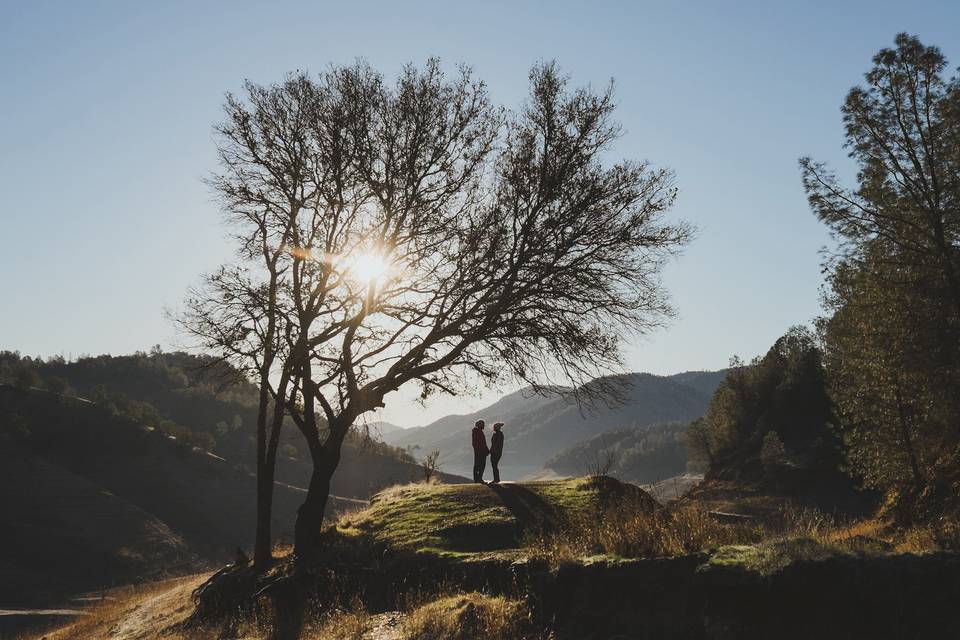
(700, 446)
(445, 242)
(265, 183)
(27, 377)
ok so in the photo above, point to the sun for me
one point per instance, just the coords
(366, 267)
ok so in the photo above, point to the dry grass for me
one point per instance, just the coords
(352, 623)
(468, 616)
(136, 613)
(943, 535)
(632, 530)
(462, 616)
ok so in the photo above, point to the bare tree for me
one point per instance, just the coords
(601, 463)
(263, 185)
(430, 465)
(448, 242)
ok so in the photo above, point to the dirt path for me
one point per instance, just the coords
(142, 615)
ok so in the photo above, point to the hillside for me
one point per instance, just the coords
(474, 518)
(210, 405)
(537, 427)
(639, 454)
(92, 498)
(66, 529)
(381, 428)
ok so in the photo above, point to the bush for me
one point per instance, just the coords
(469, 616)
(771, 451)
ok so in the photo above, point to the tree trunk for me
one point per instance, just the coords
(262, 552)
(309, 523)
(907, 439)
(262, 546)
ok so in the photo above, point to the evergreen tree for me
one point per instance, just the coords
(892, 341)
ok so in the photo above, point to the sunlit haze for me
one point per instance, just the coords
(365, 266)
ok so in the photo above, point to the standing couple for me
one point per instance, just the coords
(481, 451)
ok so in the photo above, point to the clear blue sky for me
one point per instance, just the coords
(107, 110)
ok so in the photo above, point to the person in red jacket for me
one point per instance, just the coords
(480, 451)
(496, 450)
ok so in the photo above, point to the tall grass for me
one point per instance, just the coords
(455, 616)
(631, 529)
(468, 616)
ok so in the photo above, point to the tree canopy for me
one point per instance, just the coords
(774, 408)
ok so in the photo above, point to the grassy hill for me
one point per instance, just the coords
(210, 405)
(477, 518)
(538, 428)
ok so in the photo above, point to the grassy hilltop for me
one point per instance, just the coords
(473, 518)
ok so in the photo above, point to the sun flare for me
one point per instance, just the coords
(366, 267)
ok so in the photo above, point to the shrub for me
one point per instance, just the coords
(771, 451)
(468, 616)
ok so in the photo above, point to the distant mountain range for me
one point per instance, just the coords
(540, 427)
(381, 428)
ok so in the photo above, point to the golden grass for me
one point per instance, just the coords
(468, 616)
(632, 530)
(136, 613)
(352, 623)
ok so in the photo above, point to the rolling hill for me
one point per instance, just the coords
(92, 499)
(120, 469)
(210, 405)
(641, 454)
(538, 427)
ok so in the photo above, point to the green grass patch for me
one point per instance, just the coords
(768, 558)
(471, 518)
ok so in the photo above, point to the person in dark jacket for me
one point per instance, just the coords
(496, 450)
(480, 451)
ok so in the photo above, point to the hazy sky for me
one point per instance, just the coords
(107, 110)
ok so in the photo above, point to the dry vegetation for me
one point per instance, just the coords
(467, 616)
(634, 531)
(134, 613)
(161, 609)
(631, 530)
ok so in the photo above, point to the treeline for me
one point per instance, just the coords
(198, 400)
(635, 454)
(772, 413)
(142, 388)
(875, 389)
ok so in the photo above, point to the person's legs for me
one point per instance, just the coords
(494, 461)
(479, 462)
